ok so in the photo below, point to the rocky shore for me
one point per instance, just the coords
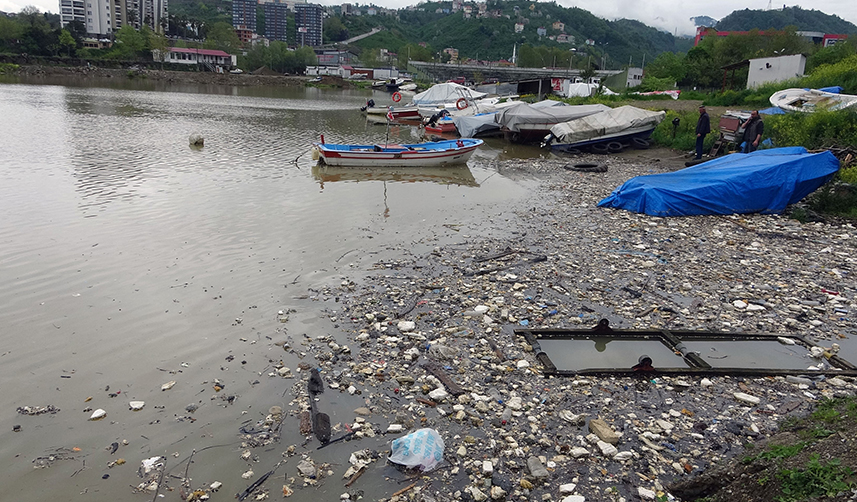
(561, 262)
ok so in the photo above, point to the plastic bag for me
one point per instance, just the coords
(423, 448)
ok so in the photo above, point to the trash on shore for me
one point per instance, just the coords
(38, 410)
(98, 414)
(196, 140)
(422, 448)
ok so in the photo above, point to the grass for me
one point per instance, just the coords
(815, 480)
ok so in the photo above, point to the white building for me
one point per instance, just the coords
(212, 59)
(776, 69)
(104, 17)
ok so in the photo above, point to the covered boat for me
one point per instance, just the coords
(612, 124)
(481, 124)
(437, 153)
(765, 181)
(445, 94)
(810, 100)
(526, 122)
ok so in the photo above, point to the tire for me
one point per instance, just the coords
(614, 147)
(600, 149)
(568, 151)
(640, 143)
(587, 168)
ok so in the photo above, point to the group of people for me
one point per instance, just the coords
(753, 130)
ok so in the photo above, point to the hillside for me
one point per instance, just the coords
(805, 20)
(494, 37)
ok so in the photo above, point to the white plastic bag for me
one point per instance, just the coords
(423, 448)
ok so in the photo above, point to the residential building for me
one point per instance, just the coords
(452, 52)
(309, 22)
(563, 38)
(558, 25)
(519, 27)
(244, 15)
(541, 31)
(276, 21)
(104, 17)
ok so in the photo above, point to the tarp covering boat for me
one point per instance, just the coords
(474, 125)
(765, 181)
(547, 113)
(448, 92)
(610, 122)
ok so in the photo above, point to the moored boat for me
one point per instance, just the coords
(524, 122)
(397, 112)
(614, 124)
(438, 153)
(810, 100)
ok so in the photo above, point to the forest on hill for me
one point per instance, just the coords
(802, 19)
(613, 43)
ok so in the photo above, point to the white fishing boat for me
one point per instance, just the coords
(810, 100)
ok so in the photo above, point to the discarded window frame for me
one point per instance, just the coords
(677, 352)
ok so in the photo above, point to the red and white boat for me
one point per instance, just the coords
(397, 112)
(437, 153)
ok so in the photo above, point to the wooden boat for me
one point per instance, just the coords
(444, 125)
(810, 100)
(398, 113)
(438, 153)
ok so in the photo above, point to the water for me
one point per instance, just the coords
(129, 259)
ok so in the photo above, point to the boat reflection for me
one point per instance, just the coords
(455, 175)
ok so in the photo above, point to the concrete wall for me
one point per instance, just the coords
(766, 70)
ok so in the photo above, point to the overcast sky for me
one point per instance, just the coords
(668, 15)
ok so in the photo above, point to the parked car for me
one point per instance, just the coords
(459, 80)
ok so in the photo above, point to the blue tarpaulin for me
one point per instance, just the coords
(765, 181)
(774, 110)
(835, 89)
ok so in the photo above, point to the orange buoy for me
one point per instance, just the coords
(397, 96)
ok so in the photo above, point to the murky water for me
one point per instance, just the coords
(129, 259)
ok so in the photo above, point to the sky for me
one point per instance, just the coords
(669, 15)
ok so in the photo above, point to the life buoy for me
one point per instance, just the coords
(397, 96)
(461, 104)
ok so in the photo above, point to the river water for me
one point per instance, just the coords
(129, 259)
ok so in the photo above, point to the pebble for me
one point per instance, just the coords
(136, 405)
(98, 414)
(536, 468)
(607, 449)
(746, 398)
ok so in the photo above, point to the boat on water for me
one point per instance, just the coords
(439, 153)
(614, 124)
(525, 122)
(398, 113)
(764, 181)
(810, 100)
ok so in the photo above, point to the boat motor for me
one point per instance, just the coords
(547, 140)
(370, 103)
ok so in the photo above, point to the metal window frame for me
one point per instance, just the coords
(673, 339)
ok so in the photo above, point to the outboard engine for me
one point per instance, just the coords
(437, 116)
(370, 103)
(547, 140)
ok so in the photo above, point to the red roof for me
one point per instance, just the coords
(204, 52)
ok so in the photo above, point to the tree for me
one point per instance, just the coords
(667, 65)
(334, 30)
(222, 36)
(160, 46)
(67, 42)
(129, 43)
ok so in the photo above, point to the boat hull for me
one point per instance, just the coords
(402, 113)
(642, 133)
(441, 153)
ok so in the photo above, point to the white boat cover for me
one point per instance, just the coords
(470, 126)
(544, 112)
(809, 100)
(581, 89)
(448, 92)
(612, 121)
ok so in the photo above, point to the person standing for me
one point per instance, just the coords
(703, 127)
(753, 130)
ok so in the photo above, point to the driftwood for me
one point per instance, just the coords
(405, 489)
(356, 475)
(436, 370)
(243, 495)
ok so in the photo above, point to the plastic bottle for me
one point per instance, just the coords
(494, 394)
(507, 415)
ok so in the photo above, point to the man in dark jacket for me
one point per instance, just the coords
(753, 130)
(703, 127)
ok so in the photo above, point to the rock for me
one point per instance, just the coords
(462, 451)
(603, 431)
(747, 398)
(645, 493)
(306, 468)
(362, 411)
(516, 403)
(497, 493)
(169, 385)
(395, 428)
(574, 498)
(477, 494)
(571, 417)
(284, 372)
(607, 449)
(215, 486)
(438, 394)
(523, 363)
(578, 452)
(537, 469)
(406, 326)
(136, 405)
(623, 456)
(487, 467)
(567, 489)
(837, 382)
(98, 414)
(739, 304)
(706, 382)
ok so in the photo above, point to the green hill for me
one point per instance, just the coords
(805, 20)
(493, 38)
